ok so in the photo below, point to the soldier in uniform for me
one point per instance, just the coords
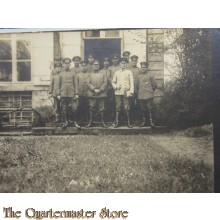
(126, 55)
(97, 83)
(110, 91)
(90, 63)
(146, 85)
(123, 84)
(68, 90)
(54, 90)
(76, 69)
(82, 79)
(105, 71)
(135, 71)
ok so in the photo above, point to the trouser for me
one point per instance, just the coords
(98, 103)
(110, 104)
(69, 108)
(56, 106)
(83, 107)
(146, 104)
(122, 101)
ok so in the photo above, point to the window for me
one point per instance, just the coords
(15, 108)
(112, 33)
(102, 34)
(92, 34)
(15, 58)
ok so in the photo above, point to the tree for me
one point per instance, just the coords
(187, 100)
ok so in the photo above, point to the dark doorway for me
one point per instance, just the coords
(101, 48)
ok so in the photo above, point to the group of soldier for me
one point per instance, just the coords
(88, 89)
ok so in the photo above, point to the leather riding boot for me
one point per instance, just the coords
(90, 120)
(143, 120)
(128, 118)
(57, 118)
(103, 122)
(150, 118)
(74, 121)
(116, 120)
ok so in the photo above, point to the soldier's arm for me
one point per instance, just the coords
(131, 83)
(105, 81)
(76, 84)
(59, 84)
(114, 81)
(91, 87)
(51, 84)
(153, 83)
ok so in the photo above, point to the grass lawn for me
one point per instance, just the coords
(134, 163)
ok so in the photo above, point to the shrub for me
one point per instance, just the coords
(43, 115)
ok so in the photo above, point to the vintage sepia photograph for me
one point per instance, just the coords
(106, 111)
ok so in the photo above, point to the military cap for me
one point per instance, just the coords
(123, 59)
(83, 62)
(58, 60)
(57, 65)
(134, 57)
(115, 57)
(126, 53)
(106, 59)
(90, 55)
(76, 58)
(96, 61)
(67, 60)
(144, 64)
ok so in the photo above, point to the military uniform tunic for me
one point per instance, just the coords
(97, 81)
(82, 79)
(54, 91)
(146, 86)
(90, 68)
(76, 70)
(136, 72)
(68, 88)
(123, 83)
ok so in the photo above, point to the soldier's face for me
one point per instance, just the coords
(96, 66)
(126, 57)
(122, 64)
(58, 69)
(76, 62)
(134, 62)
(91, 59)
(84, 68)
(66, 66)
(115, 61)
(106, 63)
(143, 69)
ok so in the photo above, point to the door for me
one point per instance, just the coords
(101, 48)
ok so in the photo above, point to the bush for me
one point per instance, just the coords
(43, 115)
(206, 130)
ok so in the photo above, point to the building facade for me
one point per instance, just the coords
(26, 61)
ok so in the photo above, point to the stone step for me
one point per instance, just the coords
(97, 130)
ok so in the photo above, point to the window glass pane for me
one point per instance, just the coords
(5, 71)
(24, 71)
(112, 34)
(23, 50)
(92, 34)
(5, 50)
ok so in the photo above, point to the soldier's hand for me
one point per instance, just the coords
(76, 96)
(58, 97)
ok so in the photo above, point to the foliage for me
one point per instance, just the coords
(102, 164)
(43, 115)
(187, 97)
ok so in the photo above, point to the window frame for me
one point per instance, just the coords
(102, 35)
(14, 38)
